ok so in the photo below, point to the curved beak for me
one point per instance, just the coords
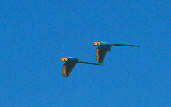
(96, 43)
(64, 59)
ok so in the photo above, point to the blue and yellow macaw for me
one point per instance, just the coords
(103, 48)
(70, 63)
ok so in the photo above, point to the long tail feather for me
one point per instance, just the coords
(125, 45)
(89, 63)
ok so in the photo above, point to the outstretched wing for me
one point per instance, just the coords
(67, 68)
(100, 54)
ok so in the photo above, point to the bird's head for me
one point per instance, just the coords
(64, 59)
(96, 43)
(69, 59)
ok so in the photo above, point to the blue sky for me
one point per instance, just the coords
(35, 34)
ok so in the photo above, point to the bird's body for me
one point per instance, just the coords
(101, 52)
(103, 48)
(69, 65)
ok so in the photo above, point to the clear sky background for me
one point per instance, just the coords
(34, 34)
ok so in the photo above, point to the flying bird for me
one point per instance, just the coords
(103, 48)
(70, 63)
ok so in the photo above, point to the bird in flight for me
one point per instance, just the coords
(70, 63)
(103, 48)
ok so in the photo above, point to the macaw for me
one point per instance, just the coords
(103, 48)
(70, 63)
